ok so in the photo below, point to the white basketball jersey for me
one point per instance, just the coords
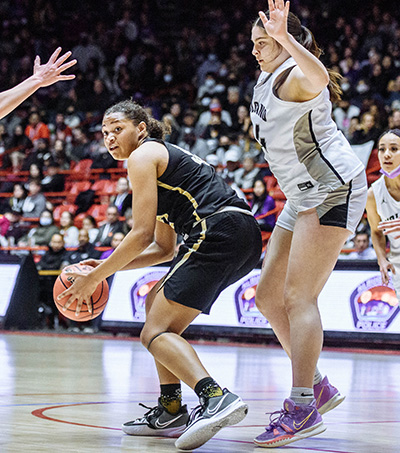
(388, 209)
(306, 152)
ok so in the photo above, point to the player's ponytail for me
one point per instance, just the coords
(304, 37)
(136, 113)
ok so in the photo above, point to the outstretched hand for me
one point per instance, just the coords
(276, 25)
(51, 72)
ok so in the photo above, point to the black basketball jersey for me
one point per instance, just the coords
(190, 190)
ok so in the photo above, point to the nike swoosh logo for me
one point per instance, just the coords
(300, 425)
(216, 408)
(319, 398)
(165, 424)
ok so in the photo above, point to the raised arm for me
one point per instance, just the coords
(378, 238)
(310, 77)
(43, 75)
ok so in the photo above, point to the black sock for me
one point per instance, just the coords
(171, 397)
(207, 388)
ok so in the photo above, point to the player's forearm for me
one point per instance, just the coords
(379, 244)
(154, 254)
(312, 68)
(13, 97)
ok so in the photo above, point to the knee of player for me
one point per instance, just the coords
(145, 335)
(297, 301)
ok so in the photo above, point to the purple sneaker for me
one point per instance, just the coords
(290, 424)
(327, 397)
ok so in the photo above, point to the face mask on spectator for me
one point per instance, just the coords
(168, 78)
(45, 221)
(345, 86)
(362, 88)
(209, 83)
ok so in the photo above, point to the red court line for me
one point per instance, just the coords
(40, 413)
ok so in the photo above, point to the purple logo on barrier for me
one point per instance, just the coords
(139, 293)
(374, 306)
(246, 309)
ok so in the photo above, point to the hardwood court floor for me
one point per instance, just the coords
(72, 393)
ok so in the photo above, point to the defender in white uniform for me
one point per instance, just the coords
(383, 208)
(326, 188)
(309, 156)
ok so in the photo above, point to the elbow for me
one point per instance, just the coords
(144, 238)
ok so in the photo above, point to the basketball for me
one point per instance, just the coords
(99, 297)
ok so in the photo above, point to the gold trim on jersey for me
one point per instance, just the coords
(164, 219)
(184, 193)
(186, 256)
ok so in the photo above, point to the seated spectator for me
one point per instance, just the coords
(128, 221)
(36, 129)
(98, 152)
(215, 128)
(123, 199)
(68, 230)
(84, 251)
(19, 145)
(42, 234)
(232, 159)
(61, 130)
(12, 228)
(260, 204)
(51, 260)
(115, 241)
(205, 118)
(363, 249)
(53, 181)
(173, 120)
(111, 226)
(89, 224)
(18, 197)
(233, 102)
(55, 255)
(191, 143)
(242, 125)
(365, 131)
(247, 174)
(35, 172)
(35, 202)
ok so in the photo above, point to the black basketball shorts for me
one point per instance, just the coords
(220, 250)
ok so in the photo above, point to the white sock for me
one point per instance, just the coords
(302, 395)
(317, 376)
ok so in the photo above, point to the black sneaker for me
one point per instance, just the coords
(207, 419)
(158, 422)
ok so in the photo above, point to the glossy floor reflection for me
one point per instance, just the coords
(72, 393)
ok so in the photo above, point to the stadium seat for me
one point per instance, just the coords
(98, 210)
(81, 170)
(104, 186)
(76, 188)
(58, 210)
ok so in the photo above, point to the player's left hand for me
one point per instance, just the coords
(81, 290)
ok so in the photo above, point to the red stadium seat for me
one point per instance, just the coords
(98, 210)
(104, 186)
(81, 170)
(76, 188)
(58, 210)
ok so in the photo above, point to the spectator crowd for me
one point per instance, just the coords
(191, 65)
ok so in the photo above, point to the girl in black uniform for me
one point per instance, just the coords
(175, 192)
